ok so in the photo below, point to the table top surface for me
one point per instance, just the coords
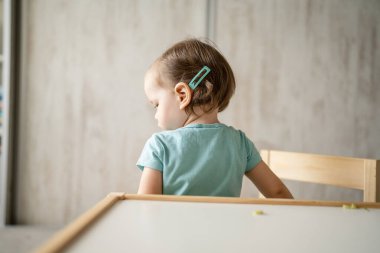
(173, 226)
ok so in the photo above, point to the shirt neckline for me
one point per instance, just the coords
(199, 125)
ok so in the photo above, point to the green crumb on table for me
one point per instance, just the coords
(351, 206)
(258, 212)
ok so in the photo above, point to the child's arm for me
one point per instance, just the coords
(267, 182)
(150, 182)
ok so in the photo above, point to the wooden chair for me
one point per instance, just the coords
(355, 173)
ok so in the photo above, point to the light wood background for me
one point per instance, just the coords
(307, 75)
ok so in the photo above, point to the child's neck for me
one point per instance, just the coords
(202, 118)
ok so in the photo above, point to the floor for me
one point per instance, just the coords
(22, 239)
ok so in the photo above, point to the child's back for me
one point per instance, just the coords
(201, 159)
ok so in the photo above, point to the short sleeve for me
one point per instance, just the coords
(151, 155)
(253, 156)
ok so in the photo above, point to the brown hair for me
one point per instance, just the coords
(186, 58)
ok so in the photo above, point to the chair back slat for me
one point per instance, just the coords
(346, 172)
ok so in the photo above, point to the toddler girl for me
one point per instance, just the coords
(197, 154)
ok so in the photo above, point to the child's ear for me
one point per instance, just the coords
(184, 94)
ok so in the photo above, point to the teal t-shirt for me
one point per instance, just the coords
(200, 159)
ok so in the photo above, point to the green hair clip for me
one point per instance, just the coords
(194, 84)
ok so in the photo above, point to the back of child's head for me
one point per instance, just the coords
(185, 59)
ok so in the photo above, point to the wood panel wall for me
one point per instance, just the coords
(307, 75)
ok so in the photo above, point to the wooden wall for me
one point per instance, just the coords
(307, 74)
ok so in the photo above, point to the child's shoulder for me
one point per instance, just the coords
(164, 136)
(236, 131)
(238, 134)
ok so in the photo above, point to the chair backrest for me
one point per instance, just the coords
(355, 173)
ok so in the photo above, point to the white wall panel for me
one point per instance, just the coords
(84, 117)
(307, 75)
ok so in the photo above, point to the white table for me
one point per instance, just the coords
(134, 223)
